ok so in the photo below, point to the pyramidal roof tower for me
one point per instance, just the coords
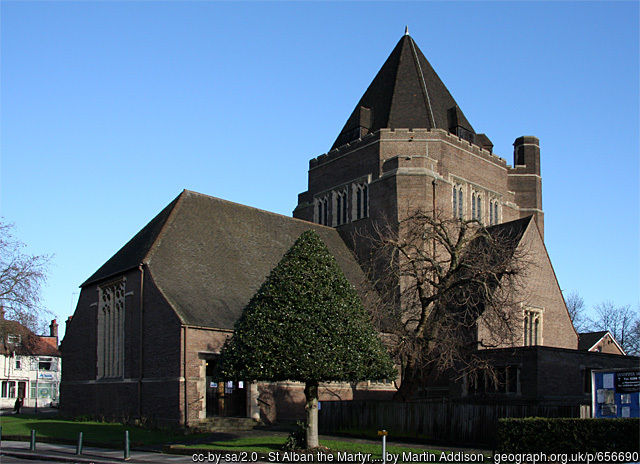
(406, 93)
(408, 146)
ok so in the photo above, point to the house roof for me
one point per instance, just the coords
(406, 93)
(588, 340)
(29, 344)
(209, 256)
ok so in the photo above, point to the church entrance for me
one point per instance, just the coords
(228, 399)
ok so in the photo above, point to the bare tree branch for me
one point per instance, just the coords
(577, 309)
(449, 288)
(623, 322)
(21, 279)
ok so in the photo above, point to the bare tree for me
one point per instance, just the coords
(622, 321)
(576, 307)
(21, 279)
(634, 348)
(450, 288)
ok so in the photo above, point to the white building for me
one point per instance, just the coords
(30, 365)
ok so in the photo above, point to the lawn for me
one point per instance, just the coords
(265, 445)
(110, 434)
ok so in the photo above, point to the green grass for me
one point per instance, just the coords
(265, 445)
(249, 444)
(269, 444)
(111, 434)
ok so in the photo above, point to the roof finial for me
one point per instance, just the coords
(406, 30)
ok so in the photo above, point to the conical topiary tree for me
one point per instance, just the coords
(306, 323)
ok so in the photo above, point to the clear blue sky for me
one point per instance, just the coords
(110, 109)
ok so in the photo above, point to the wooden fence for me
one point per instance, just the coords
(447, 423)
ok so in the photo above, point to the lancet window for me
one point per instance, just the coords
(476, 206)
(341, 207)
(493, 212)
(111, 330)
(457, 201)
(322, 211)
(361, 200)
(532, 327)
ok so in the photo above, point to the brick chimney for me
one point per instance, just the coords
(53, 330)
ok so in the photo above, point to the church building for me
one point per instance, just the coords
(150, 322)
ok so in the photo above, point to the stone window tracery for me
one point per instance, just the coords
(532, 327)
(111, 330)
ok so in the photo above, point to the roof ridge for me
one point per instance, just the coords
(425, 90)
(177, 202)
(406, 93)
(136, 250)
(254, 208)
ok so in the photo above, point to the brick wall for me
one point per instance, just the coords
(402, 165)
(546, 376)
(156, 395)
(284, 401)
(541, 289)
(414, 154)
(202, 345)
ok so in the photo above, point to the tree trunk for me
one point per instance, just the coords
(311, 406)
(410, 384)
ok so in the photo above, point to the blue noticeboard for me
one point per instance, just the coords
(615, 393)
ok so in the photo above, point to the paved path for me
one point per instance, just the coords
(67, 453)
(41, 411)
(50, 453)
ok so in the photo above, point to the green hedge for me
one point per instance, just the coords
(541, 435)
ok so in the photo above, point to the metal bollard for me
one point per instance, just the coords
(32, 445)
(383, 434)
(79, 446)
(127, 448)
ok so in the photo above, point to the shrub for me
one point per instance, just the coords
(297, 440)
(542, 435)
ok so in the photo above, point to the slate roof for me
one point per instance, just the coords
(209, 256)
(512, 230)
(406, 93)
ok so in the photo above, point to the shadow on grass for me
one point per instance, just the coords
(252, 444)
(111, 434)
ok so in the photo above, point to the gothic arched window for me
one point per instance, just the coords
(532, 327)
(493, 212)
(110, 349)
(362, 200)
(341, 208)
(476, 206)
(473, 205)
(457, 202)
(322, 211)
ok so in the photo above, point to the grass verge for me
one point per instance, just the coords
(265, 445)
(111, 435)
(99, 433)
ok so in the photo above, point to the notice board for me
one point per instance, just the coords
(615, 393)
